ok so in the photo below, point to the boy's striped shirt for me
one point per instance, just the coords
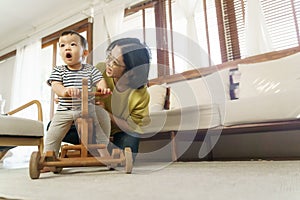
(73, 78)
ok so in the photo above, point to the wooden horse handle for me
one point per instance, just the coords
(85, 98)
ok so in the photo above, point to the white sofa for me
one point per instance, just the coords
(267, 92)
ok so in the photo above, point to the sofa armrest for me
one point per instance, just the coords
(36, 102)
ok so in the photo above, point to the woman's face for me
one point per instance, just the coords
(115, 66)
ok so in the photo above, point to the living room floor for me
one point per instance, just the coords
(232, 180)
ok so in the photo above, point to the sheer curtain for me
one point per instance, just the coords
(27, 84)
(27, 77)
(193, 52)
(188, 8)
(256, 34)
(107, 24)
(113, 19)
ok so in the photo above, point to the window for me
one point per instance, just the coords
(282, 23)
(143, 20)
(150, 17)
(207, 33)
(230, 16)
(206, 20)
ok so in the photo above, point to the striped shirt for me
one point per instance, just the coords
(73, 78)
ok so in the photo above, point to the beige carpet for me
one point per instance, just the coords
(189, 180)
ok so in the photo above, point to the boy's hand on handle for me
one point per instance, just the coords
(72, 92)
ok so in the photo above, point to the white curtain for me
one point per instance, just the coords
(188, 8)
(256, 34)
(99, 38)
(107, 25)
(194, 52)
(27, 77)
(113, 19)
(27, 85)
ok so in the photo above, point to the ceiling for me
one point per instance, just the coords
(20, 19)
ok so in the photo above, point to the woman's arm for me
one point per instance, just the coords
(138, 114)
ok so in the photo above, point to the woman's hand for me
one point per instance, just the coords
(103, 89)
(103, 92)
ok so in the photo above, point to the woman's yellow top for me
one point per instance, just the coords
(131, 105)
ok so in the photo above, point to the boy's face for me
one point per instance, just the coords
(71, 50)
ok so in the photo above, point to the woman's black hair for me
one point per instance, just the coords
(136, 57)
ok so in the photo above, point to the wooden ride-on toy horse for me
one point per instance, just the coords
(79, 155)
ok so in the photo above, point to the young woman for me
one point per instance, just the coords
(126, 74)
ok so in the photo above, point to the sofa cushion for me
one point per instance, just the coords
(207, 90)
(263, 108)
(157, 97)
(219, 85)
(184, 119)
(270, 76)
(17, 126)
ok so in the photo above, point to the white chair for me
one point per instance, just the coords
(17, 131)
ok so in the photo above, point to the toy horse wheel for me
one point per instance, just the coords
(34, 167)
(128, 160)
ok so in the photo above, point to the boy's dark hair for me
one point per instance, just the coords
(136, 57)
(82, 39)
